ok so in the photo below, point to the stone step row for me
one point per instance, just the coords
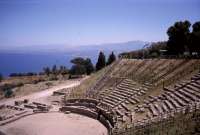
(126, 86)
(174, 100)
(125, 91)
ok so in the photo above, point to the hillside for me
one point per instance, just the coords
(135, 90)
(130, 96)
(154, 72)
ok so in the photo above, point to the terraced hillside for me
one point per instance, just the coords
(155, 72)
(131, 91)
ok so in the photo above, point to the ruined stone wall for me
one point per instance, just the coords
(81, 111)
(180, 124)
(104, 118)
(87, 100)
(89, 105)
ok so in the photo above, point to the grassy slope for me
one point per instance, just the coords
(88, 83)
(27, 84)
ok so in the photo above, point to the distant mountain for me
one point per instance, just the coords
(34, 58)
(116, 47)
(131, 45)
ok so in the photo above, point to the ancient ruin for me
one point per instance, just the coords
(145, 96)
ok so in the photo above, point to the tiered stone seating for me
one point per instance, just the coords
(167, 69)
(118, 68)
(163, 69)
(196, 77)
(120, 93)
(153, 110)
(148, 63)
(124, 94)
(141, 65)
(164, 107)
(174, 99)
(177, 99)
(130, 98)
(133, 100)
(180, 71)
(147, 73)
(129, 68)
(154, 70)
(103, 80)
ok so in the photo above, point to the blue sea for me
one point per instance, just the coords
(34, 61)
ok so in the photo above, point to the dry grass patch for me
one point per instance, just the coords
(88, 83)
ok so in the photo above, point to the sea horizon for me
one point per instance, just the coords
(23, 61)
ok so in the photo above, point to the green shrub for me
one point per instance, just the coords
(8, 93)
(1, 77)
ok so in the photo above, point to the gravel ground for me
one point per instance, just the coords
(55, 124)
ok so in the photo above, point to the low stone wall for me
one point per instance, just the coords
(89, 105)
(87, 100)
(108, 116)
(81, 111)
(7, 121)
(104, 118)
(106, 123)
(58, 93)
(15, 107)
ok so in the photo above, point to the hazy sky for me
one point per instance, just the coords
(74, 22)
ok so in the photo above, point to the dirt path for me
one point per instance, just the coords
(53, 122)
(43, 93)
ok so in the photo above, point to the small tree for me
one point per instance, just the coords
(101, 61)
(178, 37)
(63, 70)
(77, 69)
(195, 38)
(8, 93)
(111, 58)
(54, 70)
(78, 61)
(89, 66)
(47, 70)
